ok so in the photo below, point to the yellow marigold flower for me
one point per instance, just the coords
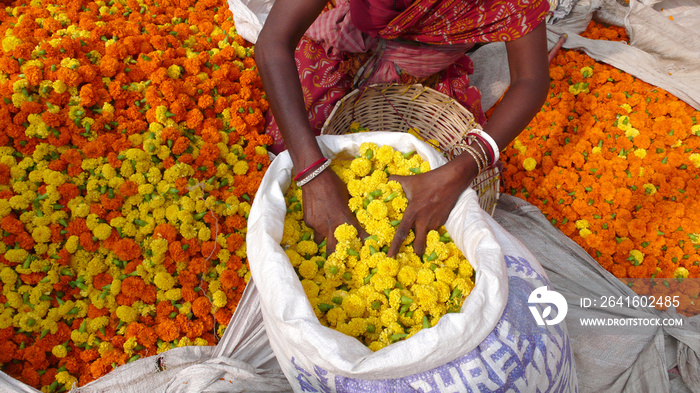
(66, 379)
(310, 288)
(8, 275)
(333, 267)
(382, 283)
(585, 232)
(345, 233)
(389, 316)
(219, 299)
(529, 163)
(681, 272)
(174, 71)
(387, 267)
(361, 166)
(294, 257)
(102, 231)
(399, 204)
(466, 269)
(306, 247)
(631, 132)
(174, 294)
(240, 168)
(357, 188)
(586, 72)
(16, 255)
(41, 234)
(96, 324)
(159, 246)
(425, 276)
(336, 316)
(649, 188)
(354, 328)
(407, 276)
(308, 269)
(377, 209)
(79, 337)
(445, 275)
(354, 306)
(59, 351)
(443, 289)
(426, 295)
(126, 314)
(19, 202)
(368, 146)
(355, 203)
(641, 153)
(164, 281)
(636, 257)
(695, 159)
(376, 345)
(581, 224)
(385, 155)
(204, 234)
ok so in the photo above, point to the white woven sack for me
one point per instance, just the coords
(317, 358)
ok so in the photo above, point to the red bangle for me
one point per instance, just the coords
(308, 168)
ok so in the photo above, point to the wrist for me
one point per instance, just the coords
(461, 170)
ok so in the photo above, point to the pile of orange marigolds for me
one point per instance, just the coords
(130, 151)
(613, 162)
(132, 145)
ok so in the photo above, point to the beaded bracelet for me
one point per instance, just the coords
(488, 139)
(308, 168)
(315, 173)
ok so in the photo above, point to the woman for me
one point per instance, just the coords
(442, 30)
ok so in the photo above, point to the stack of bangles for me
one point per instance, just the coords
(304, 176)
(486, 154)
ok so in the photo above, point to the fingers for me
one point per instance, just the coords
(401, 233)
(331, 242)
(421, 231)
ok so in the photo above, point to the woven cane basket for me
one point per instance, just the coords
(433, 115)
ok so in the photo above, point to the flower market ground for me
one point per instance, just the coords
(133, 145)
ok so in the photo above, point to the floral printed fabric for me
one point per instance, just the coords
(449, 22)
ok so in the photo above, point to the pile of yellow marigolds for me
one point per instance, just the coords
(131, 147)
(613, 162)
(358, 289)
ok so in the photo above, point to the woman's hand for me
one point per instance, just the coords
(325, 202)
(431, 197)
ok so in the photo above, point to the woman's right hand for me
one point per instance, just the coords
(325, 203)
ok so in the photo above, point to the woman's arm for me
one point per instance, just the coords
(325, 198)
(433, 195)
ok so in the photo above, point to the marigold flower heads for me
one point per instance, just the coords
(118, 202)
(359, 290)
(621, 155)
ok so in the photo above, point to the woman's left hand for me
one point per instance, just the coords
(431, 197)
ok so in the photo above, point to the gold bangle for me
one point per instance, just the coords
(480, 160)
(476, 141)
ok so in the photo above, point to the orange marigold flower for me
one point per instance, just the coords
(126, 249)
(129, 188)
(176, 251)
(201, 307)
(168, 330)
(133, 286)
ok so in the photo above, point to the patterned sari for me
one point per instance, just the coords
(423, 43)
